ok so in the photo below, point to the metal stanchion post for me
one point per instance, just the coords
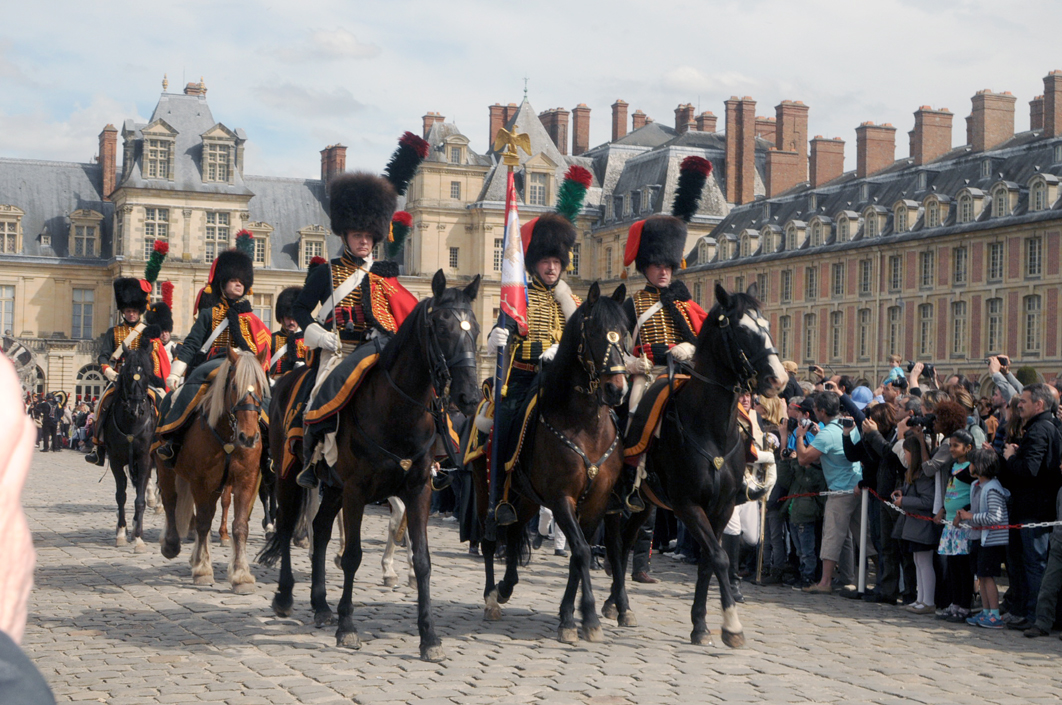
(863, 542)
(763, 539)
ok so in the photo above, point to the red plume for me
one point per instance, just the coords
(634, 241)
(580, 175)
(162, 247)
(697, 164)
(415, 142)
(167, 293)
(317, 259)
(402, 218)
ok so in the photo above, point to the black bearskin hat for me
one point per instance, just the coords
(286, 303)
(129, 294)
(363, 202)
(663, 242)
(232, 264)
(552, 235)
(160, 315)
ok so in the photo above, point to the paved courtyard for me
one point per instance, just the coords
(106, 625)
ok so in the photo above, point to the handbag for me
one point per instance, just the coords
(954, 541)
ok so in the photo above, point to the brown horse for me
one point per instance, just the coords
(222, 448)
(575, 456)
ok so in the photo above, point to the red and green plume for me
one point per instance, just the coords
(412, 150)
(245, 243)
(693, 173)
(167, 293)
(154, 263)
(401, 227)
(573, 191)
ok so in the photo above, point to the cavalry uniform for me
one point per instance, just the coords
(548, 310)
(144, 332)
(360, 306)
(289, 348)
(222, 323)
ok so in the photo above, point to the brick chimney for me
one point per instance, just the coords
(827, 160)
(875, 148)
(333, 161)
(791, 130)
(1053, 104)
(195, 88)
(784, 171)
(706, 122)
(108, 157)
(619, 119)
(740, 149)
(638, 120)
(992, 118)
(510, 111)
(1036, 113)
(683, 117)
(497, 121)
(556, 123)
(580, 129)
(430, 118)
(931, 136)
(766, 127)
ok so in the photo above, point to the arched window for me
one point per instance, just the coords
(791, 238)
(40, 381)
(870, 219)
(1000, 207)
(933, 213)
(842, 229)
(90, 383)
(745, 246)
(816, 234)
(966, 206)
(900, 219)
(1038, 196)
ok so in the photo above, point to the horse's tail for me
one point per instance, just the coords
(283, 532)
(185, 507)
(273, 550)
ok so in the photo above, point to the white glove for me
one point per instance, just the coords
(497, 338)
(549, 353)
(175, 378)
(683, 352)
(110, 374)
(317, 337)
(638, 365)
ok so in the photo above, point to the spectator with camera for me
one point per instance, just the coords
(841, 514)
(1032, 474)
(804, 513)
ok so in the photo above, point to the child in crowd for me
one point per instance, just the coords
(919, 536)
(988, 504)
(897, 371)
(954, 542)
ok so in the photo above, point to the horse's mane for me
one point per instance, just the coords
(740, 304)
(408, 331)
(248, 372)
(137, 387)
(605, 312)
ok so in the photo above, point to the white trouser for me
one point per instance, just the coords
(745, 522)
(327, 447)
(545, 521)
(639, 383)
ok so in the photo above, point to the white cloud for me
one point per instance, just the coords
(309, 103)
(322, 44)
(33, 134)
(688, 79)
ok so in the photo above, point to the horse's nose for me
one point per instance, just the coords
(468, 401)
(248, 441)
(771, 383)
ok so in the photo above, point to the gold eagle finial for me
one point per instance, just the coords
(507, 143)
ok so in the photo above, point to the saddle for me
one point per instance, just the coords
(643, 425)
(521, 427)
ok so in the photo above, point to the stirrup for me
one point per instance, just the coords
(166, 451)
(441, 481)
(505, 514)
(634, 502)
(615, 504)
(307, 477)
(96, 456)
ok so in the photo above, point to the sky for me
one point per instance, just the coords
(298, 76)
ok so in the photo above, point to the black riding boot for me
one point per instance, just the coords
(732, 546)
(97, 456)
(307, 477)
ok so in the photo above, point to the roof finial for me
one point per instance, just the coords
(165, 83)
(525, 87)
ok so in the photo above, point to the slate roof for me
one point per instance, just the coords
(437, 136)
(1014, 163)
(289, 205)
(48, 192)
(190, 117)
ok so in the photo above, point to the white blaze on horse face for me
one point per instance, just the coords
(761, 328)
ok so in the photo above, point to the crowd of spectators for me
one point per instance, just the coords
(60, 425)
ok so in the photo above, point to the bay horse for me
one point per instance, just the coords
(385, 435)
(222, 448)
(127, 434)
(574, 456)
(699, 458)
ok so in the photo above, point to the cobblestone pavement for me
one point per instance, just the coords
(106, 625)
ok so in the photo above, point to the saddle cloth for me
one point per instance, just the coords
(645, 421)
(520, 427)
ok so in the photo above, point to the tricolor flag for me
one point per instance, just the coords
(513, 278)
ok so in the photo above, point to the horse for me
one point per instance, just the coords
(385, 434)
(127, 434)
(574, 457)
(222, 448)
(699, 457)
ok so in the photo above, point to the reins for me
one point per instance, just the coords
(229, 446)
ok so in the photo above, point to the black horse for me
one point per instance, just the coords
(572, 459)
(697, 466)
(127, 434)
(385, 436)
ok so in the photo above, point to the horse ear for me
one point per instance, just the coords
(438, 284)
(263, 356)
(234, 354)
(620, 294)
(754, 290)
(472, 289)
(594, 294)
(722, 296)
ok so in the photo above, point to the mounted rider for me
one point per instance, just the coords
(287, 344)
(134, 331)
(225, 319)
(664, 318)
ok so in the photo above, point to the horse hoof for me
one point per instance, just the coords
(628, 619)
(433, 654)
(701, 638)
(226, 541)
(492, 614)
(139, 546)
(568, 635)
(326, 618)
(243, 588)
(171, 551)
(592, 634)
(348, 640)
(391, 581)
(735, 640)
(120, 541)
(609, 611)
(203, 580)
(301, 543)
(413, 581)
(281, 610)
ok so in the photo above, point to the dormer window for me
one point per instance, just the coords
(704, 251)
(922, 181)
(456, 155)
(864, 192)
(85, 233)
(311, 244)
(11, 230)
(932, 214)
(965, 208)
(847, 225)
(986, 168)
(795, 233)
(873, 221)
(618, 207)
(158, 159)
(217, 158)
(1004, 198)
(1043, 191)
(537, 189)
(820, 230)
(971, 201)
(260, 231)
(769, 243)
(749, 240)
(813, 201)
(636, 201)
(1058, 153)
(904, 215)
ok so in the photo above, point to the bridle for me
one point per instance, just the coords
(594, 369)
(229, 446)
(743, 367)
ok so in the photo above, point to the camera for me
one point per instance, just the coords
(928, 369)
(1004, 361)
(787, 453)
(791, 424)
(847, 423)
(805, 422)
(925, 421)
